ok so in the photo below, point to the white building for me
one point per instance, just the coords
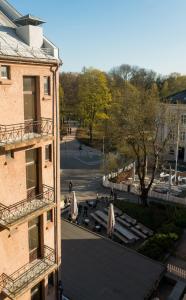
(175, 127)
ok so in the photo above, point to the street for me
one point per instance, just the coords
(82, 167)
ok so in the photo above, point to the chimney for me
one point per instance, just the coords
(29, 31)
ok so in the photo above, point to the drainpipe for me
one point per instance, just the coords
(55, 112)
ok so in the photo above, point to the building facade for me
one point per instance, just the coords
(30, 239)
(175, 126)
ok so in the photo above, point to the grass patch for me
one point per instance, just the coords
(152, 217)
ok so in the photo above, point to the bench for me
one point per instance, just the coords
(144, 229)
(138, 232)
(96, 218)
(117, 211)
(118, 228)
(123, 222)
(116, 234)
(120, 237)
(129, 219)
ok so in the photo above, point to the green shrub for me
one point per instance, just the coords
(180, 217)
(151, 216)
(181, 221)
(170, 228)
(157, 246)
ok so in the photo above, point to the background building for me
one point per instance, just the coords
(175, 126)
(30, 239)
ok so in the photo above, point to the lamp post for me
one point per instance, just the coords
(177, 151)
(60, 287)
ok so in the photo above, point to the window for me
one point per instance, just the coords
(36, 292)
(182, 136)
(48, 152)
(171, 151)
(47, 85)
(5, 72)
(10, 154)
(50, 216)
(171, 135)
(172, 117)
(30, 99)
(51, 280)
(183, 119)
(32, 176)
(34, 239)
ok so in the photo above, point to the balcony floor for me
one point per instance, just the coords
(27, 140)
(7, 220)
(37, 269)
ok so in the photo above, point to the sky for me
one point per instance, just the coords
(107, 33)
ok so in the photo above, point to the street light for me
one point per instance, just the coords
(177, 151)
(60, 287)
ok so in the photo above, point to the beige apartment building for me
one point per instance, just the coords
(30, 239)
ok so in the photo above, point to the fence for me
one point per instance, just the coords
(176, 271)
(134, 189)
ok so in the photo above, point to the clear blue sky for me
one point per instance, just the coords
(107, 33)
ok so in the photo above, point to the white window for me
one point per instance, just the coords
(5, 72)
(182, 136)
(183, 119)
(171, 135)
(172, 117)
(171, 151)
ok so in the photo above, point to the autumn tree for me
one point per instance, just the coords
(173, 83)
(137, 120)
(69, 83)
(61, 105)
(94, 97)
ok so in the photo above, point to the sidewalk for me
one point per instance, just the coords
(87, 155)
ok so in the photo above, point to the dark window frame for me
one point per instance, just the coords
(49, 216)
(48, 152)
(8, 72)
(47, 87)
(10, 154)
(51, 280)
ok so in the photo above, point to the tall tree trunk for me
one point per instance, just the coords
(90, 134)
(144, 196)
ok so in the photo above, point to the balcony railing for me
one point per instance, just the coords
(10, 215)
(26, 277)
(28, 130)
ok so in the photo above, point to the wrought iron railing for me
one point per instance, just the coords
(13, 213)
(14, 284)
(25, 131)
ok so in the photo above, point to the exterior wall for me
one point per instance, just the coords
(14, 247)
(11, 95)
(177, 110)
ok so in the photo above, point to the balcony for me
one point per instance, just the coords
(29, 275)
(25, 134)
(25, 210)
